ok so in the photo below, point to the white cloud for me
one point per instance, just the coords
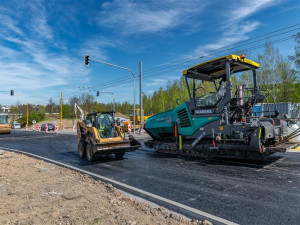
(237, 34)
(27, 64)
(158, 82)
(236, 28)
(247, 8)
(136, 17)
(39, 22)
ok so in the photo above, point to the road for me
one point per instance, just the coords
(242, 192)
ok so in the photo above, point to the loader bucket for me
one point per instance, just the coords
(117, 147)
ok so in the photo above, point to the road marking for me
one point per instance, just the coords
(172, 205)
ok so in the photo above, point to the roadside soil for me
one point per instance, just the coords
(35, 192)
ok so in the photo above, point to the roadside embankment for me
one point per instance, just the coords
(35, 192)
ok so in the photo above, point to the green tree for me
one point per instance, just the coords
(67, 112)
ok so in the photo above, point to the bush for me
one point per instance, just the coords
(37, 116)
(67, 112)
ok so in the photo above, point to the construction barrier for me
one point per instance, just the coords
(74, 128)
(46, 128)
(129, 127)
(56, 128)
(141, 128)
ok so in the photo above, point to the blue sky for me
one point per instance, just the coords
(42, 43)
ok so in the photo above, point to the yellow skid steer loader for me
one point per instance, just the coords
(98, 134)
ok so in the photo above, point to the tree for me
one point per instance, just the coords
(287, 76)
(267, 76)
(67, 112)
(297, 52)
(50, 106)
(296, 58)
(74, 100)
(37, 116)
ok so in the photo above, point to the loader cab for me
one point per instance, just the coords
(104, 122)
(209, 84)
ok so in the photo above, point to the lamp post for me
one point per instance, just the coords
(108, 92)
(86, 63)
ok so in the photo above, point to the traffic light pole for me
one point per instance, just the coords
(86, 62)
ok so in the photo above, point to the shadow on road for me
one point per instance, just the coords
(251, 163)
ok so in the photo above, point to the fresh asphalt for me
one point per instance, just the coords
(244, 192)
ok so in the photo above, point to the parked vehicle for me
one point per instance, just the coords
(50, 127)
(16, 126)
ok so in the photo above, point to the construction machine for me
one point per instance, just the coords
(137, 120)
(221, 123)
(98, 134)
(5, 127)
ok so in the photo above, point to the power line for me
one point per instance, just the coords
(216, 51)
(213, 52)
(126, 80)
(151, 74)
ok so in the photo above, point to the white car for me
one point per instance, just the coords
(16, 126)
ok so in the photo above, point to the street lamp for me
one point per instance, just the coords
(86, 63)
(108, 92)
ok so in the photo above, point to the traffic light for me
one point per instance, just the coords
(97, 93)
(86, 60)
(12, 92)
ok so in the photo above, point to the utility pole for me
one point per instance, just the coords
(13, 116)
(60, 124)
(27, 114)
(141, 101)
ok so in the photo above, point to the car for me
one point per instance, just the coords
(50, 127)
(16, 126)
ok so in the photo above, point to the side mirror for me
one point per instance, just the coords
(178, 101)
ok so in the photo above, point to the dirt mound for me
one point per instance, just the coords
(35, 192)
(118, 114)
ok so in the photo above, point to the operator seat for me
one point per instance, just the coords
(212, 99)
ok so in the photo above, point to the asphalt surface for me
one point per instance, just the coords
(245, 192)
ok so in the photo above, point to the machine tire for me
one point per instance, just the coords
(82, 149)
(89, 152)
(119, 155)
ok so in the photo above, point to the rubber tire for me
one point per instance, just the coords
(82, 149)
(119, 155)
(89, 154)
